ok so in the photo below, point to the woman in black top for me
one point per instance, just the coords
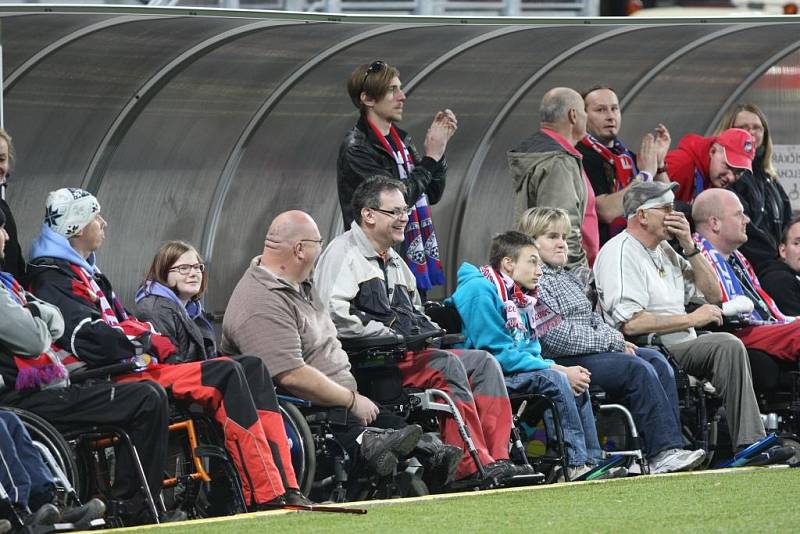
(764, 200)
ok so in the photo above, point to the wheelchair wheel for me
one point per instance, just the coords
(220, 497)
(45, 433)
(301, 441)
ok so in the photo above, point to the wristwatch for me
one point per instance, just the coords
(694, 252)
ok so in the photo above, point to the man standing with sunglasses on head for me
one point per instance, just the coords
(375, 146)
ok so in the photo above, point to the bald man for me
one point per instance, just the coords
(547, 171)
(275, 313)
(721, 223)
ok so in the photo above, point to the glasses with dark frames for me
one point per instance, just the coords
(185, 268)
(396, 213)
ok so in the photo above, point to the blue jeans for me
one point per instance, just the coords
(646, 383)
(23, 474)
(575, 413)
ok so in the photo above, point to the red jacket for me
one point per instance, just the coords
(692, 154)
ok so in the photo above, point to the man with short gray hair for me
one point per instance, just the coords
(644, 286)
(546, 170)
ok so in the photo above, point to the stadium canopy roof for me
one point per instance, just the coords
(203, 124)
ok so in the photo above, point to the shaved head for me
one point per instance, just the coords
(710, 203)
(292, 246)
(290, 226)
(720, 218)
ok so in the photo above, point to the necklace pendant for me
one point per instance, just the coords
(662, 272)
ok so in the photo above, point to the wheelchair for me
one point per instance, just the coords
(324, 469)
(60, 459)
(530, 409)
(374, 364)
(777, 387)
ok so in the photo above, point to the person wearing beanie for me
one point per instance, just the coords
(100, 331)
(35, 377)
(699, 163)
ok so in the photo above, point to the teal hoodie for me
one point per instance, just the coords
(484, 324)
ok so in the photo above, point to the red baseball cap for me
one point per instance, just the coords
(740, 149)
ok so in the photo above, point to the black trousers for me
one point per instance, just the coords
(141, 409)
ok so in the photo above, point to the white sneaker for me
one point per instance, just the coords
(673, 460)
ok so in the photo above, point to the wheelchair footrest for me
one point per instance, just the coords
(532, 479)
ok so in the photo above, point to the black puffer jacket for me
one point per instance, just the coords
(769, 209)
(362, 155)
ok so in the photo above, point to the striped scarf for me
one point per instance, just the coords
(421, 246)
(39, 372)
(621, 160)
(92, 291)
(736, 277)
(539, 315)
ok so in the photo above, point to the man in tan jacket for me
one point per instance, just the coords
(546, 169)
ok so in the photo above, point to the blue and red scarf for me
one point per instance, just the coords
(736, 277)
(422, 249)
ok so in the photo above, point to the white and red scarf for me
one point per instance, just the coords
(48, 369)
(539, 315)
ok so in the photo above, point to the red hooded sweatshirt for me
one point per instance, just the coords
(691, 155)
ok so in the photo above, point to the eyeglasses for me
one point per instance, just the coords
(376, 66)
(319, 242)
(185, 269)
(667, 208)
(397, 212)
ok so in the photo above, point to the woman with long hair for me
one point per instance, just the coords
(764, 200)
(170, 299)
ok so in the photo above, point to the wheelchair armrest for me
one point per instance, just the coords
(416, 342)
(357, 344)
(105, 371)
(448, 340)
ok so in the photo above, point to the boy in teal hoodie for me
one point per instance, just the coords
(500, 314)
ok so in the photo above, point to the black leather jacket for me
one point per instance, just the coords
(362, 155)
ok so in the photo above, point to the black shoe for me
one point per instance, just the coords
(448, 459)
(525, 469)
(500, 470)
(47, 514)
(82, 516)
(772, 456)
(381, 448)
(296, 498)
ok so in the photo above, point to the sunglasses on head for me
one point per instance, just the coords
(376, 66)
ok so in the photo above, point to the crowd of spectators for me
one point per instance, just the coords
(601, 252)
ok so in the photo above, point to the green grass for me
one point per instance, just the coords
(764, 500)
